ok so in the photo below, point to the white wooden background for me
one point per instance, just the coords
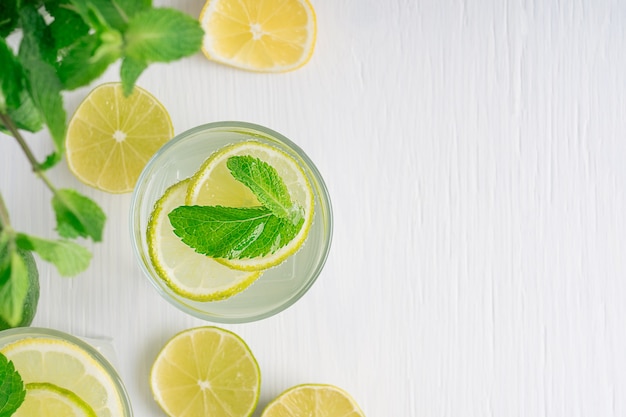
(475, 156)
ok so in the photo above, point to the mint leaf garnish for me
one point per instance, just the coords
(68, 257)
(12, 390)
(265, 183)
(77, 215)
(232, 233)
(162, 35)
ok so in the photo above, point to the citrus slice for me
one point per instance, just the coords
(110, 137)
(214, 185)
(313, 400)
(62, 363)
(48, 400)
(206, 371)
(259, 35)
(188, 273)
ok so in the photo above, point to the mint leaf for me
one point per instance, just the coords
(89, 57)
(42, 83)
(10, 78)
(26, 116)
(130, 71)
(9, 17)
(162, 35)
(77, 215)
(132, 7)
(268, 187)
(232, 233)
(101, 14)
(67, 27)
(68, 257)
(12, 391)
(13, 285)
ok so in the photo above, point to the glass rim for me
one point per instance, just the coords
(19, 333)
(320, 190)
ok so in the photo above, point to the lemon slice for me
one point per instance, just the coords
(313, 400)
(110, 138)
(214, 185)
(48, 400)
(259, 35)
(62, 363)
(206, 371)
(188, 273)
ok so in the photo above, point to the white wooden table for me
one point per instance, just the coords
(475, 154)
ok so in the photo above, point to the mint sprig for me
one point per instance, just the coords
(64, 45)
(242, 232)
(12, 390)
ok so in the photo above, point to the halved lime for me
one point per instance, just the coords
(313, 400)
(206, 371)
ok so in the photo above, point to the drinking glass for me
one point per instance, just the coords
(278, 287)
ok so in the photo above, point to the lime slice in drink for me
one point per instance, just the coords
(62, 363)
(313, 400)
(48, 400)
(188, 273)
(214, 185)
(206, 371)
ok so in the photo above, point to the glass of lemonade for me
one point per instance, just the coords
(68, 368)
(277, 287)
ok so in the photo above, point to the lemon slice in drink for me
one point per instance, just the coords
(61, 363)
(259, 35)
(214, 185)
(206, 371)
(111, 137)
(48, 400)
(188, 273)
(313, 400)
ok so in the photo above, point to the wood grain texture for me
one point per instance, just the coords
(475, 157)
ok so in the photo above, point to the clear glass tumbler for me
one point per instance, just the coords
(10, 336)
(278, 287)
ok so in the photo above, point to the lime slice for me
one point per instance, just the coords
(110, 137)
(62, 363)
(313, 400)
(206, 371)
(213, 185)
(265, 35)
(186, 272)
(48, 400)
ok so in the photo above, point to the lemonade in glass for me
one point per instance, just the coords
(231, 222)
(64, 374)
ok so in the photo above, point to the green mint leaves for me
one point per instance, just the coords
(242, 232)
(12, 390)
(64, 45)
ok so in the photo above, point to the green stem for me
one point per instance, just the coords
(8, 123)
